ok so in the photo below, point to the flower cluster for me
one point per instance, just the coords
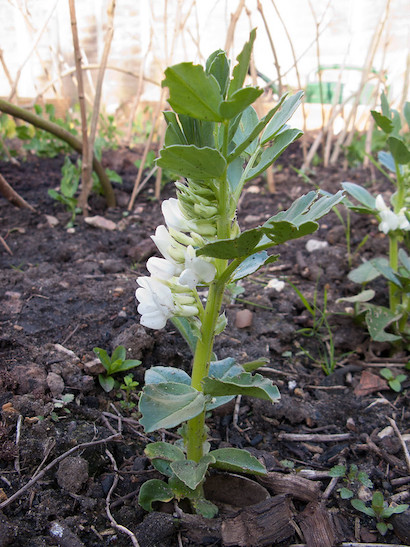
(391, 221)
(171, 289)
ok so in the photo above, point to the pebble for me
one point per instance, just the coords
(30, 378)
(112, 265)
(135, 339)
(94, 367)
(243, 319)
(55, 384)
(315, 245)
(52, 221)
(101, 222)
(72, 474)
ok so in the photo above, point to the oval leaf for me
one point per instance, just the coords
(191, 473)
(399, 150)
(240, 100)
(243, 384)
(192, 162)
(233, 248)
(168, 405)
(281, 117)
(361, 194)
(193, 92)
(158, 375)
(154, 490)
(234, 459)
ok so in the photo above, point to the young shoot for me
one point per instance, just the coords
(215, 143)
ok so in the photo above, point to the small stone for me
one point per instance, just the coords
(386, 432)
(72, 474)
(55, 384)
(135, 339)
(276, 284)
(52, 221)
(315, 245)
(350, 424)
(12, 302)
(112, 265)
(253, 189)
(87, 383)
(364, 493)
(101, 222)
(94, 367)
(243, 319)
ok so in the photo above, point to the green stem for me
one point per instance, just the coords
(394, 299)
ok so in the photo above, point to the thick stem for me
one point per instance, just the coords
(196, 434)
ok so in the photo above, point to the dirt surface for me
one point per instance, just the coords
(65, 292)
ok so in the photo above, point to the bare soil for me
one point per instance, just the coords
(65, 292)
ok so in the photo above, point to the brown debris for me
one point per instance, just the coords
(300, 488)
(317, 525)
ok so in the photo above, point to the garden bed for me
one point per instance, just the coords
(66, 292)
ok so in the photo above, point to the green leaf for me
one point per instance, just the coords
(192, 162)
(224, 368)
(366, 272)
(345, 493)
(242, 245)
(106, 382)
(395, 385)
(246, 129)
(378, 319)
(361, 194)
(404, 259)
(399, 150)
(363, 296)
(383, 122)
(363, 478)
(281, 231)
(162, 455)
(386, 271)
(104, 358)
(197, 132)
(386, 159)
(241, 69)
(281, 117)
(337, 471)
(191, 473)
(173, 133)
(243, 384)
(159, 375)
(154, 490)
(127, 365)
(240, 100)
(205, 508)
(273, 152)
(385, 105)
(252, 263)
(234, 459)
(406, 112)
(168, 405)
(359, 505)
(193, 92)
(382, 527)
(217, 64)
(250, 366)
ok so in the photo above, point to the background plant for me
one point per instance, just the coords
(216, 143)
(114, 364)
(380, 510)
(394, 222)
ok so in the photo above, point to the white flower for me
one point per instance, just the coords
(390, 221)
(196, 270)
(167, 246)
(156, 303)
(162, 268)
(173, 215)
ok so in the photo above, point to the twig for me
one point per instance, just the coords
(231, 29)
(402, 442)
(272, 46)
(18, 432)
(12, 196)
(86, 165)
(114, 523)
(63, 134)
(330, 487)
(3, 242)
(86, 188)
(38, 476)
(314, 438)
(236, 411)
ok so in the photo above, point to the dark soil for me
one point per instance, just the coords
(66, 292)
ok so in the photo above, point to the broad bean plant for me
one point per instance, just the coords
(215, 143)
(394, 221)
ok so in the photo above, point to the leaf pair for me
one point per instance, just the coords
(168, 399)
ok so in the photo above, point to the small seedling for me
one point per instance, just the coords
(393, 381)
(380, 510)
(115, 363)
(350, 477)
(127, 388)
